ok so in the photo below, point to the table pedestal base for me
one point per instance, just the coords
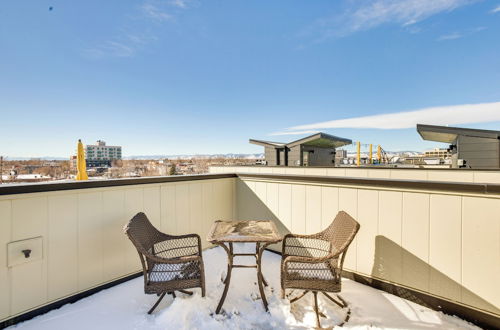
(259, 249)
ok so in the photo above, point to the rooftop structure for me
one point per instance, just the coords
(470, 148)
(315, 150)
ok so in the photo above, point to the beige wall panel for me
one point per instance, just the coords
(348, 202)
(208, 217)
(329, 205)
(415, 241)
(297, 171)
(168, 222)
(273, 198)
(315, 171)
(28, 285)
(246, 200)
(223, 191)
(285, 205)
(5, 229)
(261, 191)
(298, 209)
(335, 171)
(182, 209)
(29, 218)
(90, 246)
(379, 174)
(481, 253)
(313, 209)
(114, 242)
(276, 170)
(29, 281)
(409, 174)
(445, 246)
(62, 243)
(152, 205)
(388, 250)
(134, 203)
(367, 216)
(356, 173)
(487, 177)
(453, 176)
(195, 209)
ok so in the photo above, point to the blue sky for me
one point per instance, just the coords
(182, 77)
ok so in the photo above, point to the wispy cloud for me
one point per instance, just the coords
(495, 10)
(369, 14)
(154, 12)
(293, 133)
(458, 35)
(451, 36)
(442, 115)
(180, 3)
(151, 14)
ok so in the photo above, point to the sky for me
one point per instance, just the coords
(202, 77)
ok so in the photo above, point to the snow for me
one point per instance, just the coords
(125, 306)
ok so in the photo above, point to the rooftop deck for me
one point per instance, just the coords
(125, 306)
(421, 238)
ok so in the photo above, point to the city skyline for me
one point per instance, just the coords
(197, 77)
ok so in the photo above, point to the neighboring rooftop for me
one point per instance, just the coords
(447, 134)
(321, 140)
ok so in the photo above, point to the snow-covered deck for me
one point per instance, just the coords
(125, 306)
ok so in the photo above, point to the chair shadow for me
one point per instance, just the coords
(392, 263)
(395, 264)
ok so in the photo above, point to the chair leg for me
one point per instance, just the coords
(186, 292)
(316, 310)
(297, 298)
(157, 302)
(341, 304)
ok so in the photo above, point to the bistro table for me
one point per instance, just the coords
(262, 233)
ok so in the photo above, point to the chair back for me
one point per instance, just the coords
(142, 233)
(341, 231)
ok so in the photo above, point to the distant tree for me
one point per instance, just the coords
(171, 171)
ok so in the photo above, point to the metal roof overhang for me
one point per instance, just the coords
(267, 143)
(449, 134)
(321, 140)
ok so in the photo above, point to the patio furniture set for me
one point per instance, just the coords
(310, 263)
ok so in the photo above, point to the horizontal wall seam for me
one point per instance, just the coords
(470, 188)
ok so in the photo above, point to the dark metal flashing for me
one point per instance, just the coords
(372, 168)
(13, 189)
(476, 188)
(69, 300)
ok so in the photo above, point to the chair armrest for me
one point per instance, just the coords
(178, 260)
(304, 238)
(287, 236)
(166, 238)
(311, 260)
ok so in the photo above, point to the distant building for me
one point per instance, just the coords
(469, 148)
(99, 154)
(440, 153)
(314, 150)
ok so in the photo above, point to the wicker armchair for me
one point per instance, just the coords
(169, 263)
(313, 263)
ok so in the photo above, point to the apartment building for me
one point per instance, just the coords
(100, 154)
